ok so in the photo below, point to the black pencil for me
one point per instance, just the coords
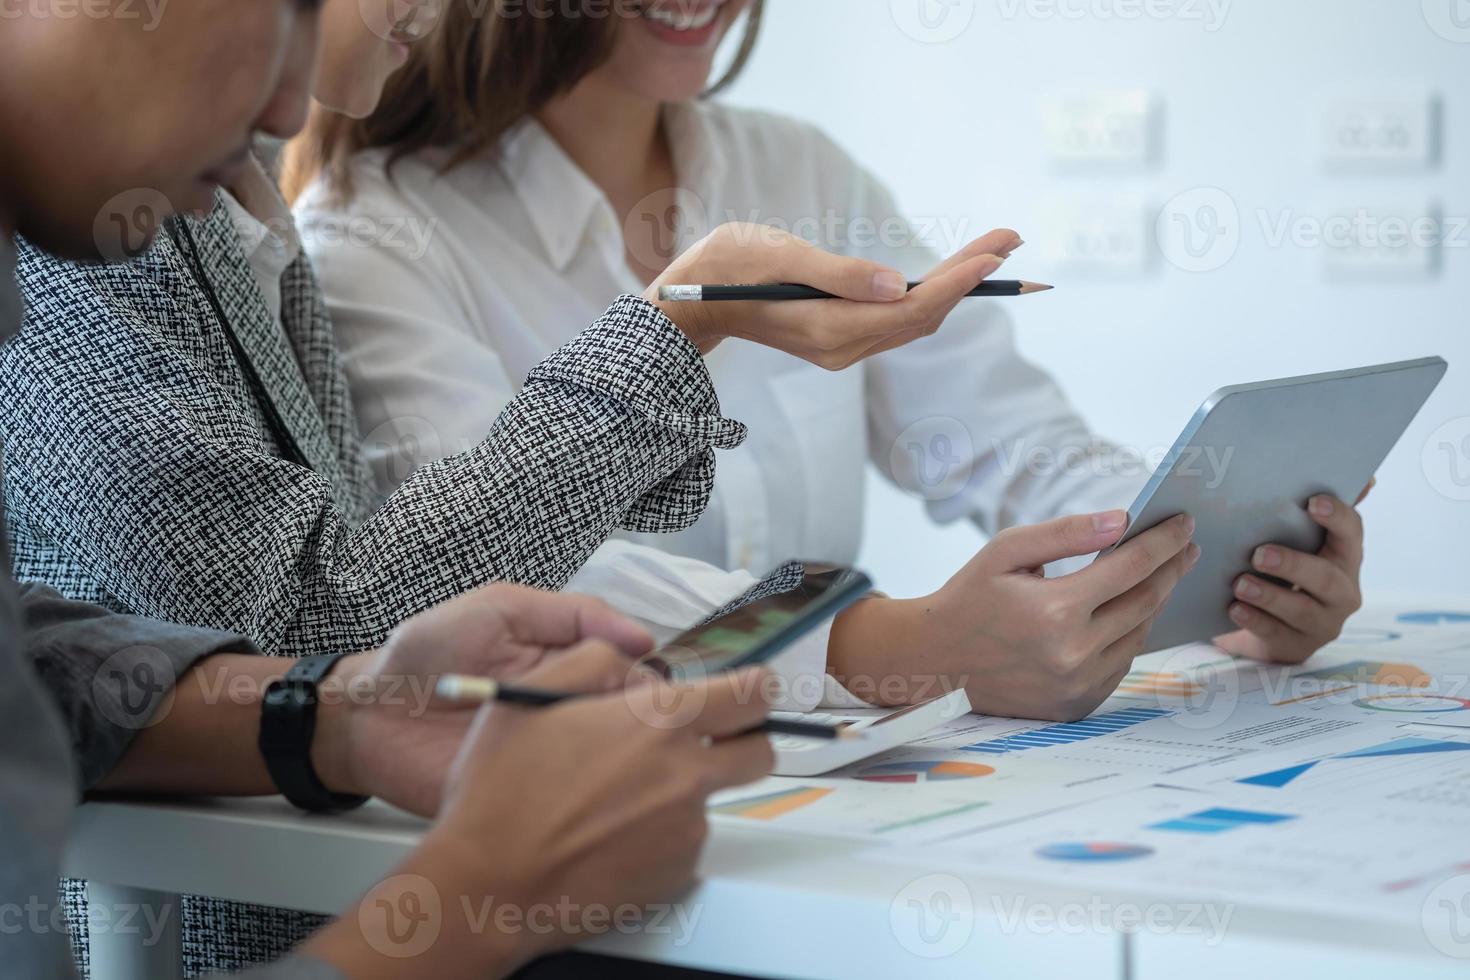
(478, 690)
(793, 291)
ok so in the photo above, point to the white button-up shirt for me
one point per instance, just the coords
(446, 289)
(267, 232)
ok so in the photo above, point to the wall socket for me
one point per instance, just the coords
(1105, 130)
(1398, 242)
(1382, 132)
(1105, 237)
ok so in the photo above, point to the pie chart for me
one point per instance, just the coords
(1093, 851)
(1418, 704)
(923, 772)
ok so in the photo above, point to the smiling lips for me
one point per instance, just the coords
(682, 16)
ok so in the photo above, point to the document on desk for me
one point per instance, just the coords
(1407, 767)
(978, 772)
(1342, 784)
(880, 731)
(1383, 669)
(912, 795)
(1192, 718)
(1379, 860)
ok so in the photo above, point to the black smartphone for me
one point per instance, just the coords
(789, 603)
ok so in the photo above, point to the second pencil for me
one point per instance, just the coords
(794, 291)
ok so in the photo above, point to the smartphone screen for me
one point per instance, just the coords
(756, 631)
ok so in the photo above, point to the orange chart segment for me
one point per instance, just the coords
(770, 806)
(1373, 672)
(1165, 684)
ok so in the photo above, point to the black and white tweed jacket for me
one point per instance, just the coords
(142, 474)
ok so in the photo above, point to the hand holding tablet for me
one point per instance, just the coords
(1288, 623)
(1266, 470)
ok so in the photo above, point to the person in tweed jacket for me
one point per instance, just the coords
(179, 441)
(142, 461)
(145, 473)
(91, 699)
(150, 444)
(164, 427)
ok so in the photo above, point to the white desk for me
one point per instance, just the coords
(769, 905)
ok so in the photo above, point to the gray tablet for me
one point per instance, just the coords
(1252, 457)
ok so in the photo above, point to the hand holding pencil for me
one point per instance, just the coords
(584, 804)
(872, 309)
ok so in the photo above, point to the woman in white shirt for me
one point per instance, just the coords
(587, 190)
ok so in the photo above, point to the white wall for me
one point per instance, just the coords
(956, 126)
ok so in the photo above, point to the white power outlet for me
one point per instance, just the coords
(1103, 237)
(1107, 129)
(1384, 132)
(1393, 242)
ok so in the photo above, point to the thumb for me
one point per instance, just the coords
(560, 619)
(1026, 548)
(591, 667)
(840, 275)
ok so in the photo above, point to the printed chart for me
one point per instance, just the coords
(852, 808)
(933, 771)
(1222, 848)
(1068, 734)
(1217, 820)
(1341, 783)
(1410, 670)
(1093, 851)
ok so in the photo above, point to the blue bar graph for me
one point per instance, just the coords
(1218, 820)
(1077, 731)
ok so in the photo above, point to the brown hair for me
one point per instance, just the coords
(485, 66)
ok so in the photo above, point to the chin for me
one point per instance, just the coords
(656, 72)
(356, 105)
(86, 217)
(81, 242)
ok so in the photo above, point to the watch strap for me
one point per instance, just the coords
(287, 728)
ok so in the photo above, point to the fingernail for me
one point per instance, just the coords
(1189, 525)
(1248, 590)
(1240, 615)
(889, 284)
(1012, 247)
(1113, 520)
(1191, 557)
(1267, 557)
(1322, 506)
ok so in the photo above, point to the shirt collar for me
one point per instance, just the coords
(557, 195)
(562, 200)
(263, 221)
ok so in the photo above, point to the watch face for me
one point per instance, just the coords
(287, 725)
(286, 694)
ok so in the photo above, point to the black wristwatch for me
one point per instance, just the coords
(287, 724)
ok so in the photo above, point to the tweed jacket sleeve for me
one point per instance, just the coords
(140, 474)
